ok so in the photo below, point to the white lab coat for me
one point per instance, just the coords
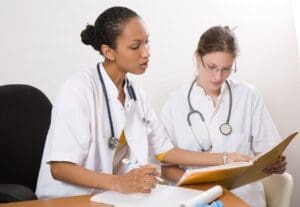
(80, 130)
(253, 130)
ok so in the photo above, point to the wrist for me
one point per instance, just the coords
(116, 183)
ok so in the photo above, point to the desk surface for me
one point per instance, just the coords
(228, 199)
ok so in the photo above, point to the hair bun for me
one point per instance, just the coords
(88, 35)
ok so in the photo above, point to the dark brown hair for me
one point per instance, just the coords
(217, 39)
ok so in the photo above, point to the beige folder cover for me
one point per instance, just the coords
(236, 174)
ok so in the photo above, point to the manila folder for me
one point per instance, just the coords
(237, 174)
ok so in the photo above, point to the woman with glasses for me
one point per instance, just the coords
(215, 114)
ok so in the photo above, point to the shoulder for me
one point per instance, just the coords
(180, 92)
(177, 97)
(78, 86)
(80, 81)
(243, 88)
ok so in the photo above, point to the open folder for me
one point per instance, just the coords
(236, 174)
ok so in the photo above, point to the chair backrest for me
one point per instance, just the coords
(24, 122)
(278, 189)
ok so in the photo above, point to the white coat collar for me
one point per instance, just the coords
(112, 88)
(224, 89)
(109, 84)
(200, 90)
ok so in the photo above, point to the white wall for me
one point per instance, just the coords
(40, 45)
(296, 8)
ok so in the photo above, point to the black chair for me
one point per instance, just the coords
(24, 122)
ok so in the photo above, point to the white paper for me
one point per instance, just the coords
(168, 196)
(205, 197)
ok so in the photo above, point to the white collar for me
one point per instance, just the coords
(200, 89)
(109, 84)
(111, 88)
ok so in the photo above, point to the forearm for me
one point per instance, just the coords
(78, 175)
(172, 173)
(191, 158)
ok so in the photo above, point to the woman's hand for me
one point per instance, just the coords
(237, 157)
(279, 167)
(138, 180)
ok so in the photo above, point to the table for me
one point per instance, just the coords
(229, 200)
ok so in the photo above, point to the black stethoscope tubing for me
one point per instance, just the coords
(227, 126)
(113, 142)
(112, 132)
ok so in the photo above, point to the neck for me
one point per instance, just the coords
(213, 94)
(115, 74)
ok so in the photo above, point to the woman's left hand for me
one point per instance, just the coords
(279, 167)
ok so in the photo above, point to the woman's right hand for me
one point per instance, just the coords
(238, 157)
(138, 180)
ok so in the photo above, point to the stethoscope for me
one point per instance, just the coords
(113, 142)
(224, 128)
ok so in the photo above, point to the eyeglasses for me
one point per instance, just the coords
(214, 70)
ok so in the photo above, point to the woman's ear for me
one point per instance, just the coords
(197, 59)
(107, 52)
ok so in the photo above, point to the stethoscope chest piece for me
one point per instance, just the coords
(225, 129)
(113, 142)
